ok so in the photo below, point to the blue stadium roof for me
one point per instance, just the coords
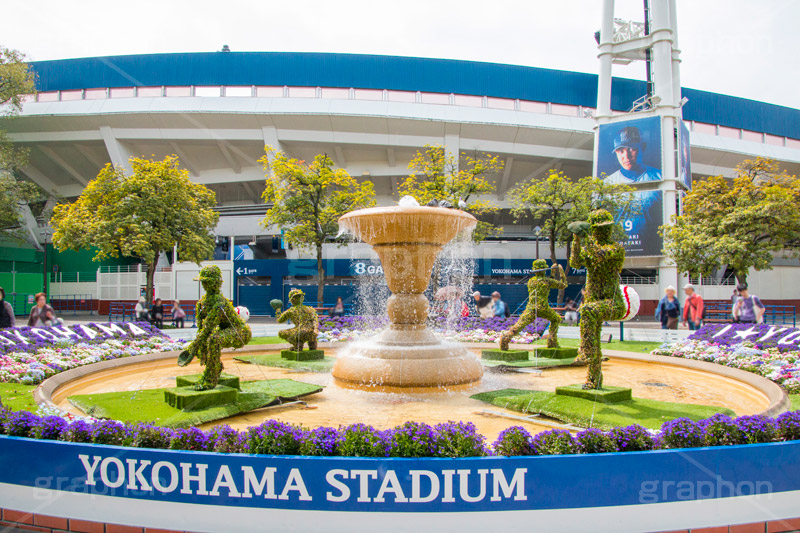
(397, 73)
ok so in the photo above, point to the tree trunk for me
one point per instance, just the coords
(151, 274)
(560, 297)
(320, 277)
(741, 277)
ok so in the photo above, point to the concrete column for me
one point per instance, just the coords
(661, 33)
(118, 154)
(676, 57)
(605, 57)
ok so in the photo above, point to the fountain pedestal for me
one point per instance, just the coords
(407, 354)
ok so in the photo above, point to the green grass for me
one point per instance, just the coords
(266, 340)
(626, 346)
(275, 360)
(577, 411)
(149, 405)
(795, 399)
(541, 362)
(18, 397)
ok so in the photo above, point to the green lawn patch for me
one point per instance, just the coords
(266, 340)
(149, 405)
(578, 411)
(541, 362)
(626, 346)
(275, 360)
(18, 397)
(795, 399)
(497, 354)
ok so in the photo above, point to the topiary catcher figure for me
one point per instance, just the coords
(538, 305)
(218, 326)
(305, 320)
(603, 301)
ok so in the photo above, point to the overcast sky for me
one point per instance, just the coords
(739, 47)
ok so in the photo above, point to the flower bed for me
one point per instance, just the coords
(412, 439)
(42, 356)
(728, 345)
(466, 329)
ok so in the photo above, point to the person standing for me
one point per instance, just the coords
(669, 309)
(41, 314)
(484, 304)
(178, 314)
(500, 307)
(157, 313)
(693, 307)
(7, 319)
(748, 308)
(570, 312)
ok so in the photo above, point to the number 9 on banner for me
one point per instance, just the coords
(631, 299)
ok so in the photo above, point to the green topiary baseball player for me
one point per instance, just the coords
(538, 305)
(603, 301)
(218, 326)
(305, 320)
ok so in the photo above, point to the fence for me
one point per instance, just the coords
(717, 311)
(74, 302)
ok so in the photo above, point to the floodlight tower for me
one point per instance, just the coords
(655, 41)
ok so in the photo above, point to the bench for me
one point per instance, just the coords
(189, 309)
(121, 311)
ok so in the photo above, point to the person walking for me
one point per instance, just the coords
(570, 312)
(7, 319)
(41, 314)
(178, 314)
(748, 308)
(157, 313)
(500, 307)
(669, 309)
(693, 308)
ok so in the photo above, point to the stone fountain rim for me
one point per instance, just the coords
(407, 210)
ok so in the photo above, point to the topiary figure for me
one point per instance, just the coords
(218, 326)
(305, 320)
(603, 259)
(538, 304)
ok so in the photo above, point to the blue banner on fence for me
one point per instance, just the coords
(402, 485)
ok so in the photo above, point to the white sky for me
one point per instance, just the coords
(740, 47)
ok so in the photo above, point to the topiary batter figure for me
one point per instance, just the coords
(603, 301)
(218, 326)
(538, 305)
(305, 320)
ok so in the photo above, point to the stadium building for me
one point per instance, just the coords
(217, 111)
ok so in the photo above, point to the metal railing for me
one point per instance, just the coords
(73, 302)
(700, 281)
(254, 91)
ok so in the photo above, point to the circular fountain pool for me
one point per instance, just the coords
(343, 403)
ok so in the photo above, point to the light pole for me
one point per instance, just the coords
(537, 231)
(46, 232)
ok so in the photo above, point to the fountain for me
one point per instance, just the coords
(407, 238)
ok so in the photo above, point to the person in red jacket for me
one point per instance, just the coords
(692, 308)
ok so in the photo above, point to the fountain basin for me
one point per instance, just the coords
(407, 241)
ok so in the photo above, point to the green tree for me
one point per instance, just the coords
(307, 199)
(555, 201)
(16, 81)
(742, 222)
(437, 175)
(143, 214)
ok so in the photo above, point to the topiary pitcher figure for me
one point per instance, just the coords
(305, 320)
(218, 326)
(603, 301)
(538, 303)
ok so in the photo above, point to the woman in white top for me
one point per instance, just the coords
(141, 310)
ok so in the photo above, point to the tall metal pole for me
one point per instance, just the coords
(647, 52)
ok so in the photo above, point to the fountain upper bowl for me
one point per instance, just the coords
(398, 224)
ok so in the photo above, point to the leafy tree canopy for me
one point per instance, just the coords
(16, 81)
(306, 200)
(740, 222)
(143, 214)
(437, 175)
